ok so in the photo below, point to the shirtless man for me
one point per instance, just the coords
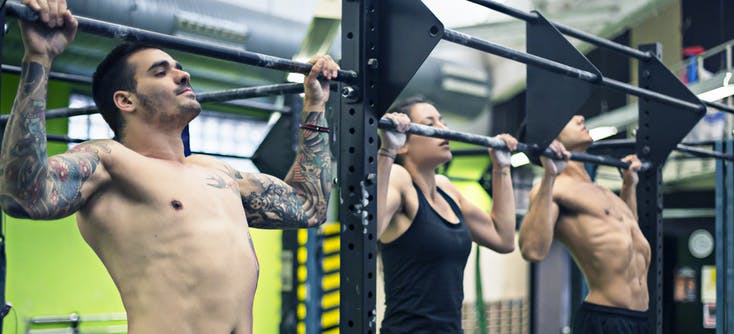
(171, 230)
(600, 230)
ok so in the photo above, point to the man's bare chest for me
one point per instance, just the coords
(177, 188)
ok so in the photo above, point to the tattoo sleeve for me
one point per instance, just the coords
(302, 200)
(32, 185)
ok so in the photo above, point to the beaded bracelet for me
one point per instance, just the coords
(314, 127)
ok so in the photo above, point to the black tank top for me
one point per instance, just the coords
(424, 273)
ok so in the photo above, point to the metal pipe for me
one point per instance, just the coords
(532, 17)
(60, 113)
(250, 92)
(719, 106)
(182, 44)
(553, 66)
(73, 78)
(71, 318)
(67, 139)
(621, 143)
(703, 153)
(496, 143)
(214, 96)
(652, 95)
(525, 58)
(63, 139)
(686, 147)
(219, 96)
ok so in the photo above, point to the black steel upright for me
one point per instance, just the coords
(357, 130)
(724, 240)
(661, 128)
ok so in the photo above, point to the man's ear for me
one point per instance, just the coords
(123, 101)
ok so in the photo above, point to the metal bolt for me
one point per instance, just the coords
(373, 63)
(646, 74)
(351, 94)
(347, 91)
(646, 150)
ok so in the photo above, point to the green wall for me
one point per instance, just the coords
(52, 271)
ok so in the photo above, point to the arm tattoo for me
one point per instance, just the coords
(302, 200)
(32, 186)
(274, 205)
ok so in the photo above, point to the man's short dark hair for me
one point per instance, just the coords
(112, 74)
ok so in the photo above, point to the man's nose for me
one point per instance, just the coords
(184, 78)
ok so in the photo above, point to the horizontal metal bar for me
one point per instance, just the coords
(77, 318)
(598, 41)
(67, 139)
(529, 59)
(126, 33)
(522, 57)
(203, 97)
(652, 95)
(703, 153)
(683, 147)
(71, 318)
(496, 143)
(73, 78)
(622, 143)
(222, 155)
(262, 106)
(213, 96)
(64, 139)
(250, 92)
(719, 106)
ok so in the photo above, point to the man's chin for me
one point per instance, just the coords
(193, 108)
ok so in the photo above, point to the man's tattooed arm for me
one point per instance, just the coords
(32, 185)
(300, 201)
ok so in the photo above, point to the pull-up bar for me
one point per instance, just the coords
(686, 147)
(214, 96)
(529, 59)
(532, 17)
(496, 143)
(74, 78)
(182, 44)
(598, 41)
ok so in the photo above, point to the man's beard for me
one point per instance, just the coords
(153, 103)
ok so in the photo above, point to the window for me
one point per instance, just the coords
(233, 136)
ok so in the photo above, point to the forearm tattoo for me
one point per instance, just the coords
(302, 200)
(32, 185)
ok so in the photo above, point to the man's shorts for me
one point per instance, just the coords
(598, 319)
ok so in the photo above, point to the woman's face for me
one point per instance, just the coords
(422, 150)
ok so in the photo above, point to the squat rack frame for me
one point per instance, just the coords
(374, 37)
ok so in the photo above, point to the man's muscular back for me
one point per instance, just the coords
(605, 240)
(175, 240)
